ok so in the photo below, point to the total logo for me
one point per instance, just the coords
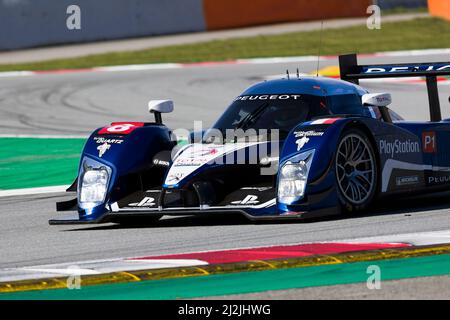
(248, 200)
(399, 147)
(101, 140)
(146, 202)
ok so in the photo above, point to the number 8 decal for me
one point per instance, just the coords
(121, 127)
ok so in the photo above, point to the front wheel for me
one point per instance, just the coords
(356, 170)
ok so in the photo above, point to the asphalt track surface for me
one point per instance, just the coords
(74, 104)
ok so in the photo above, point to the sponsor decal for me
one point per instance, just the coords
(405, 181)
(432, 172)
(173, 178)
(260, 189)
(100, 140)
(412, 68)
(186, 162)
(106, 140)
(269, 97)
(382, 99)
(121, 128)
(200, 151)
(146, 202)
(162, 163)
(438, 179)
(103, 148)
(304, 137)
(301, 142)
(429, 142)
(399, 147)
(250, 199)
(198, 155)
(310, 133)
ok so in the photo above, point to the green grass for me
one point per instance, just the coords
(401, 10)
(31, 163)
(415, 34)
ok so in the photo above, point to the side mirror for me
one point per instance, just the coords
(380, 100)
(160, 106)
(377, 99)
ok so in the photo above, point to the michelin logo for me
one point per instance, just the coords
(399, 147)
(405, 181)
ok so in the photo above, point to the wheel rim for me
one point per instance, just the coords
(355, 169)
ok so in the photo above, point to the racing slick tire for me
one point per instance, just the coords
(356, 170)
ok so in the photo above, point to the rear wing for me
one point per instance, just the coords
(352, 72)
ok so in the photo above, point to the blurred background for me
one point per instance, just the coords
(26, 23)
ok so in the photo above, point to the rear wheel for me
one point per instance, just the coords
(356, 170)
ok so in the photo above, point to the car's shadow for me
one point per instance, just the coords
(395, 206)
(408, 205)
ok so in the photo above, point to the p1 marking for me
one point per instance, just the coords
(429, 142)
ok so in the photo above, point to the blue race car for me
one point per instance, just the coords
(299, 147)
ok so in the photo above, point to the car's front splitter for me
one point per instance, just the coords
(111, 216)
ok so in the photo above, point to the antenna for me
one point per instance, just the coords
(287, 73)
(320, 48)
(298, 74)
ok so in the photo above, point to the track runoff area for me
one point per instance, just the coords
(368, 261)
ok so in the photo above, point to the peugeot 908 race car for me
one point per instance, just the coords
(328, 146)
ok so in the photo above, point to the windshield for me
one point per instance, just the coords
(281, 112)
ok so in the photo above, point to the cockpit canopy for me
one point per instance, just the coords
(283, 104)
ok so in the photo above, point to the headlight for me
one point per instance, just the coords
(293, 177)
(93, 187)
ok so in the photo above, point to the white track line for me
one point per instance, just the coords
(163, 66)
(42, 136)
(93, 267)
(16, 73)
(139, 67)
(278, 60)
(417, 239)
(413, 53)
(28, 191)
